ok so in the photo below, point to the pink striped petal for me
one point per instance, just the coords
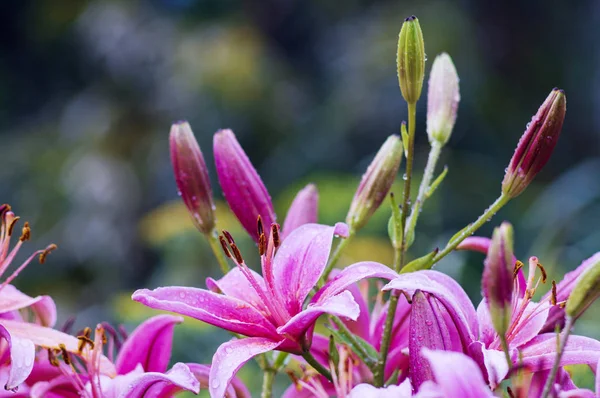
(22, 356)
(235, 284)
(540, 352)
(216, 309)
(341, 305)
(300, 261)
(230, 357)
(303, 210)
(12, 299)
(149, 345)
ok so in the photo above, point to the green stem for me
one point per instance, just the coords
(315, 364)
(470, 230)
(561, 348)
(335, 257)
(434, 155)
(412, 113)
(354, 344)
(215, 245)
(506, 351)
(386, 338)
(280, 360)
(267, 387)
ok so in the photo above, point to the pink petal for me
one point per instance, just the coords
(360, 327)
(219, 310)
(149, 345)
(236, 388)
(231, 356)
(50, 338)
(22, 356)
(303, 210)
(242, 187)
(540, 352)
(456, 374)
(43, 306)
(533, 319)
(139, 384)
(353, 274)
(341, 305)
(492, 363)
(450, 294)
(300, 261)
(60, 386)
(368, 391)
(235, 284)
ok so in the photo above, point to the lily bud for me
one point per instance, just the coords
(303, 210)
(536, 144)
(586, 290)
(191, 176)
(375, 183)
(497, 282)
(442, 99)
(242, 187)
(411, 60)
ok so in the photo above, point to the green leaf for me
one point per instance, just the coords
(334, 354)
(420, 263)
(366, 347)
(437, 182)
(395, 224)
(405, 139)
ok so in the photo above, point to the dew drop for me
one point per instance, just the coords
(215, 383)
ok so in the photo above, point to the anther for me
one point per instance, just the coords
(44, 254)
(262, 244)
(543, 271)
(52, 358)
(25, 233)
(510, 392)
(224, 246)
(518, 266)
(553, 297)
(275, 233)
(3, 209)
(65, 353)
(12, 225)
(236, 253)
(259, 226)
(228, 237)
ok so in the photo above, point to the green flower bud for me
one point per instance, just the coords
(411, 60)
(375, 183)
(585, 292)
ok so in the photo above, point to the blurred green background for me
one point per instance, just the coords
(88, 90)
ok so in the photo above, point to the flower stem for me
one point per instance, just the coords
(379, 374)
(470, 230)
(506, 351)
(434, 154)
(215, 245)
(561, 348)
(267, 386)
(335, 257)
(315, 364)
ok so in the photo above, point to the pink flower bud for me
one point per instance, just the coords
(375, 183)
(536, 144)
(191, 176)
(243, 189)
(442, 99)
(497, 282)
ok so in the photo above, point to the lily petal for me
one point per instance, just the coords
(300, 261)
(219, 310)
(341, 305)
(149, 345)
(236, 388)
(235, 284)
(491, 362)
(456, 374)
(303, 210)
(351, 275)
(540, 352)
(22, 356)
(369, 391)
(231, 356)
(12, 299)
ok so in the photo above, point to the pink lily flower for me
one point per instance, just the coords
(368, 326)
(140, 368)
(269, 309)
(474, 329)
(246, 194)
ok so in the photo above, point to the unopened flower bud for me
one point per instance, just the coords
(497, 282)
(411, 60)
(586, 290)
(536, 144)
(375, 183)
(191, 176)
(442, 99)
(242, 187)
(303, 210)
